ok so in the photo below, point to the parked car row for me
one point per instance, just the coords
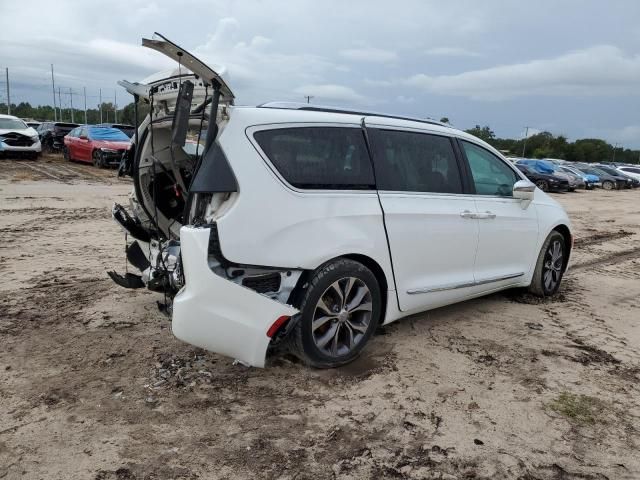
(559, 175)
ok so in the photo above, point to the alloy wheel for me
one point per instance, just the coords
(97, 159)
(553, 262)
(542, 185)
(342, 316)
(607, 185)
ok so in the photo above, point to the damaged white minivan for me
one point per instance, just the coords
(298, 228)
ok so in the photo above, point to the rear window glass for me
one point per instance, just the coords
(416, 162)
(319, 157)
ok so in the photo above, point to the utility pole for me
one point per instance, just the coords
(100, 107)
(53, 88)
(615, 145)
(308, 97)
(85, 105)
(8, 96)
(526, 135)
(115, 105)
(60, 103)
(71, 96)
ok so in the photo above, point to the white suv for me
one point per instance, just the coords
(305, 228)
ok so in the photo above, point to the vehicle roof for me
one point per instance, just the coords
(10, 116)
(347, 111)
(289, 112)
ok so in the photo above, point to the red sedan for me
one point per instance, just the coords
(103, 146)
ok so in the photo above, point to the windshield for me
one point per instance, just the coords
(12, 124)
(107, 134)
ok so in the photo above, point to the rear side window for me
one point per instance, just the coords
(328, 158)
(416, 162)
(491, 176)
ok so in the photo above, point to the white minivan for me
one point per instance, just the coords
(304, 228)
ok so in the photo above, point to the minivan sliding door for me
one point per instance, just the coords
(431, 224)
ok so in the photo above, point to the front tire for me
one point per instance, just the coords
(542, 185)
(340, 309)
(66, 154)
(550, 266)
(97, 159)
(608, 185)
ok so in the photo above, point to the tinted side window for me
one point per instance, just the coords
(416, 162)
(319, 157)
(491, 176)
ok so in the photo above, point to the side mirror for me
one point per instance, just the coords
(83, 137)
(524, 190)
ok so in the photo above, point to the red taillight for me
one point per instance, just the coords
(276, 325)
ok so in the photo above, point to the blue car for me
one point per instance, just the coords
(591, 181)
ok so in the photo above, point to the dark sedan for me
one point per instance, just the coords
(631, 182)
(546, 182)
(609, 182)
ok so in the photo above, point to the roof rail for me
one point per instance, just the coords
(348, 111)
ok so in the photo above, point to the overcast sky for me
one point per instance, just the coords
(571, 67)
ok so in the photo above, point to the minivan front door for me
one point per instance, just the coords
(430, 223)
(508, 233)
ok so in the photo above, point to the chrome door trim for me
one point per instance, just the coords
(465, 285)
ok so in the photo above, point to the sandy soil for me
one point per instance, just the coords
(93, 385)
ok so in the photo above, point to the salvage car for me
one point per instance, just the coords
(609, 182)
(102, 146)
(614, 172)
(590, 181)
(303, 228)
(17, 138)
(545, 179)
(52, 134)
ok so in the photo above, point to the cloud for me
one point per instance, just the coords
(331, 92)
(627, 134)
(374, 55)
(451, 52)
(599, 70)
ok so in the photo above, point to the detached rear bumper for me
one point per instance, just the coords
(216, 314)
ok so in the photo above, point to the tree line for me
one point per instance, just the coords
(548, 145)
(45, 113)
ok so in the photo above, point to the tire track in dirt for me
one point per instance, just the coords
(612, 258)
(601, 237)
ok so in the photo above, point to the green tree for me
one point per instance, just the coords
(483, 133)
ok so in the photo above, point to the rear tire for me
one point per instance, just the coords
(339, 311)
(608, 185)
(550, 266)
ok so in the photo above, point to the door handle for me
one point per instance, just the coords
(485, 216)
(480, 216)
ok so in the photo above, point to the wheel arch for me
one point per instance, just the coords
(370, 263)
(563, 230)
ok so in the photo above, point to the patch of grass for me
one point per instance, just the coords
(581, 409)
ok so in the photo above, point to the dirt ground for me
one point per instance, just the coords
(94, 386)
